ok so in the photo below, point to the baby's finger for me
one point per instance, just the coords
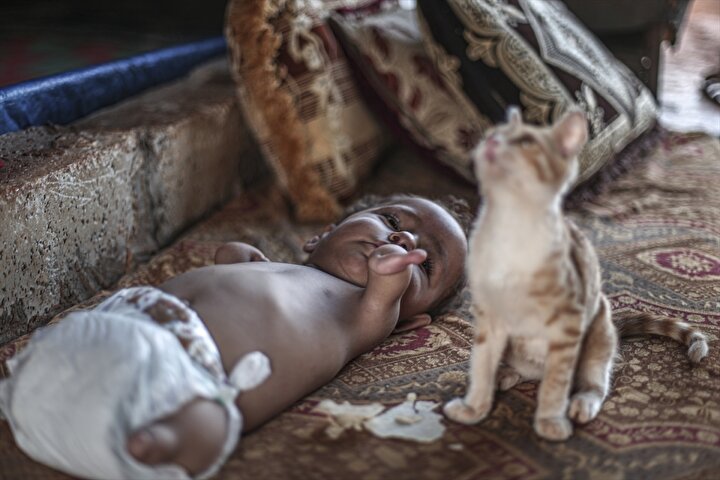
(389, 261)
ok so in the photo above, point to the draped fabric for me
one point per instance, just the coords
(535, 54)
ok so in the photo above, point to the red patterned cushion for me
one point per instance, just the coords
(401, 81)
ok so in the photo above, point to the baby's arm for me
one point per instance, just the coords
(389, 272)
(238, 252)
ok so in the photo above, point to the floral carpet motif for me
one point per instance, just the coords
(685, 263)
(657, 231)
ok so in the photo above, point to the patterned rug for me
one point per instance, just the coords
(657, 231)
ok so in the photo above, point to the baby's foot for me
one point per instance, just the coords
(192, 437)
(154, 444)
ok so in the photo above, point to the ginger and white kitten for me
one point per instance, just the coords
(536, 286)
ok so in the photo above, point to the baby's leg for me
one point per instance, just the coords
(192, 437)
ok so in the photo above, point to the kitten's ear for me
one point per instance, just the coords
(571, 133)
(514, 117)
(312, 244)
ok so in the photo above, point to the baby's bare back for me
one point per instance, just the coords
(300, 317)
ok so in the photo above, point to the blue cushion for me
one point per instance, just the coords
(63, 98)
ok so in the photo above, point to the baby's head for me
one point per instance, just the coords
(343, 249)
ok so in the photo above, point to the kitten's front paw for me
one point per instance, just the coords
(556, 429)
(585, 406)
(458, 411)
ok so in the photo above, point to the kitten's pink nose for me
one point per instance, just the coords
(403, 239)
(491, 143)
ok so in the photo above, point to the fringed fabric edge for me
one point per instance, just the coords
(253, 46)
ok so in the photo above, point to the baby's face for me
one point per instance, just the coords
(412, 223)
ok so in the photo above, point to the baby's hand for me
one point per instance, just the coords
(238, 252)
(392, 259)
(389, 275)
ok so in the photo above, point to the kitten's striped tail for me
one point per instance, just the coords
(644, 323)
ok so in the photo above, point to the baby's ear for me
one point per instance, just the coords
(416, 321)
(312, 244)
(571, 133)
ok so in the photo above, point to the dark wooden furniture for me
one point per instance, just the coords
(633, 30)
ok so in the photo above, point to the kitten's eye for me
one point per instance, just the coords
(392, 220)
(523, 141)
(427, 265)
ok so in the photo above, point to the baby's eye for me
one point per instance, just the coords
(427, 265)
(392, 220)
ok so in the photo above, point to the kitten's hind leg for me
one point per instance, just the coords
(485, 357)
(508, 377)
(592, 378)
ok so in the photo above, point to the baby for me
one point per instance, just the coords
(112, 393)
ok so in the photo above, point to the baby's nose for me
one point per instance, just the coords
(404, 239)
